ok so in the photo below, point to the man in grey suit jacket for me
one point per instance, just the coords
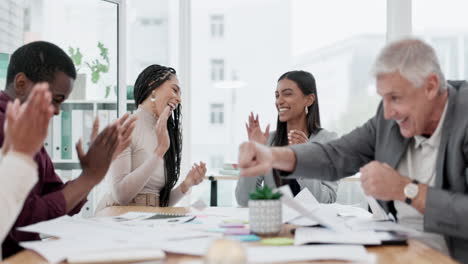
(412, 155)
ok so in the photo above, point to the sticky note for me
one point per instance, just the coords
(235, 221)
(278, 241)
(231, 225)
(237, 231)
(246, 238)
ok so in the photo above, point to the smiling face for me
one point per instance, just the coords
(410, 106)
(60, 88)
(168, 93)
(291, 101)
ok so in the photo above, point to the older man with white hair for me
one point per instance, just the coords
(412, 155)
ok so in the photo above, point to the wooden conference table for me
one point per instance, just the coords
(415, 252)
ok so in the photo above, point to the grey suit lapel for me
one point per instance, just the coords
(397, 148)
(446, 131)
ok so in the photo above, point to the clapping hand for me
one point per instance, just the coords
(194, 177)
(96, 161)
(254, 131)
(26, 125)
(162, 134)
(297, 137)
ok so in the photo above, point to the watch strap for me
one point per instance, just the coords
(409, 200)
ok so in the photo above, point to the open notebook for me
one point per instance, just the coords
(145, 219)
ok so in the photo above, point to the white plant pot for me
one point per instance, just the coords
(265, 217)
(79, 88)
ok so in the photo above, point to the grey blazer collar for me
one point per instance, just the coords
(446, 131)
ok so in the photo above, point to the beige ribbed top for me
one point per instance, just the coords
(137, 169)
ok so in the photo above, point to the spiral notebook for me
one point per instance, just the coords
(144, 218)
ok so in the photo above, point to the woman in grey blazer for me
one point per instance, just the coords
(298, 123)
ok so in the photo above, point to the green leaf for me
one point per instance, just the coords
(265, 193)
(104, 52)
(76, 56)
(95, 76)
(108, 89)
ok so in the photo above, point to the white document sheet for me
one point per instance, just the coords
(239, 213)
(347, 210)
(304, 198)
(370, 224)
(121, 255)
(194, 247)
(323, 216)
(67, 227)
(337, 211)
(272, 254)
(307, 199)
(93, 250)
(305, 235)
(378, 213)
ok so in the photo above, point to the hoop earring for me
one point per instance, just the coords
(153, 98)
(306, 110)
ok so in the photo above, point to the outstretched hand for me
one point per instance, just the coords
(254, 159)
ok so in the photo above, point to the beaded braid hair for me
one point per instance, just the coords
(150, 79)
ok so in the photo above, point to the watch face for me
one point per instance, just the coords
(411, 190)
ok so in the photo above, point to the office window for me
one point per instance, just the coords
(217, 70)
(217, 114)
(87, 31)
(217, 26)
(297, 34)
(449, 39)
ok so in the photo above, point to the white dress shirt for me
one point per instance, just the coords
(419, 163)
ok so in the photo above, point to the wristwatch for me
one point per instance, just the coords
(411, 191)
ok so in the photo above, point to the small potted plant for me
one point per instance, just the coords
(265, 216)
(97, 68)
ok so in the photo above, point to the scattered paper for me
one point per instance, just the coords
(273, 254)
(194, 247)
(336, 211)
(68, 227)
(122, 255)
(378, 213)
(325, 217)
(306, 235)
(306, 198)
(366, 225)
(348, 210)
(95, 250)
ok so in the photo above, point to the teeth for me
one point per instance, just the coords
(283, 109)
(399, 121)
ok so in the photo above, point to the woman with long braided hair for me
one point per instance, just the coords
(147, 171)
